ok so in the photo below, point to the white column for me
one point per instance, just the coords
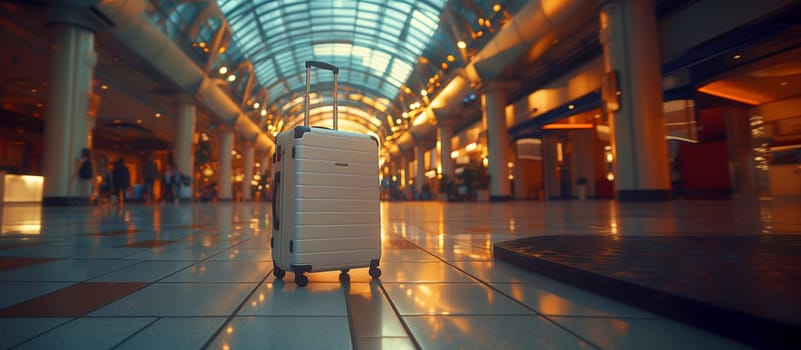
(493, 103)
(550, 167)
(444, 135)
(631, 48)
(67, 124)
(421, 169)
(225, 171)
(184, 154)
(405, 172)
(249, 159)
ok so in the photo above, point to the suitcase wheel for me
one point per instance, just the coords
(375, 272)
(344, 276)
(278, 272)
(301, 280)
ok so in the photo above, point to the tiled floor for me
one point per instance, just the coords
(199, 276)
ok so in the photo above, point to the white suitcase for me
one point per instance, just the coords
(326, 212)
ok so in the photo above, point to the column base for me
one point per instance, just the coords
(644, 195)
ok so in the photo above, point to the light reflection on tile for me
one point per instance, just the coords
(284, 333)
(223, 271)
(385, 343)
(492, 271)
(175, 333)
(421, 272)
(371, 314)
(561, 299)
(450, 299)
(490, 332)
(279, 298)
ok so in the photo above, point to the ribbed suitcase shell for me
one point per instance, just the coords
(325, 198)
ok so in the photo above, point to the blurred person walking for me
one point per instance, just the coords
(122, 179)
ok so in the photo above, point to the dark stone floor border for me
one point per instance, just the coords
(745, 328)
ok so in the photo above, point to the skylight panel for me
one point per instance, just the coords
(266, 7)
(230, 5)
(400, 70)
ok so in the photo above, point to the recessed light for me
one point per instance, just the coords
(737, 56)
(158, 115)
(784, 83)
(104, 87)
(139, 121)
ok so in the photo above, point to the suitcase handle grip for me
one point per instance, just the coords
(276, 186)
(322, 65)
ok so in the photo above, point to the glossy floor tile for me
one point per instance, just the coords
(199, 275)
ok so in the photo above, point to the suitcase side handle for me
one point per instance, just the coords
(276, 186)
(322, 65)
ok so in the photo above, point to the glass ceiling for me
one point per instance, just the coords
(375, 43)
(388, 52)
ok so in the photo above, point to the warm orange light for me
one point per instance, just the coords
(451, 58)
(568, 126)
(735, 92)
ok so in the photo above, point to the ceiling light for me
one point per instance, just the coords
(424, 92)
(737, 56)
(202, 44)
(231, 78)
(784, 83)
(496, 8)
(444, 66)
(256, 105)
(263, 112)
(139, 121)
(104, 87)
(461, 44)
(571, 107)
(451, 58)
(223, 70)
(158, 115)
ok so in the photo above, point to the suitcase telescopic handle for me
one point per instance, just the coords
(326, 66)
